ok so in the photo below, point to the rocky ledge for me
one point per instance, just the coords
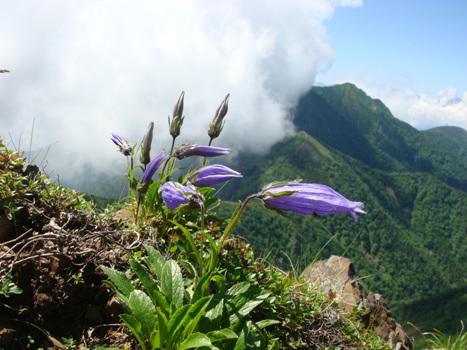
(336, 276)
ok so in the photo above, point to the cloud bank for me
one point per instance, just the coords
(447, 108)
(83, 69)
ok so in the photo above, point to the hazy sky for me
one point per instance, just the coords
(80, 70)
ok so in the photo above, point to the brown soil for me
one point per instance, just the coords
(54, 257)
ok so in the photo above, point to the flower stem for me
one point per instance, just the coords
(235, 220)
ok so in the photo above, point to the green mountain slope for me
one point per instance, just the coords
(451, 139)
(345, 118)
(412, 245)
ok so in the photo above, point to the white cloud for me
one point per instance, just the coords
(422, 111)
(84, 69)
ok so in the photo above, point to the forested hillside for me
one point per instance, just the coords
(412, 245)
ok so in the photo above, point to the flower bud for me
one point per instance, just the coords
(177, 117)
(217, 123)
(145, 155)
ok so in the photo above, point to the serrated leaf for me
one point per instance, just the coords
(144, 311)
(119, 282)
(172, 283)
(151, 287)
(195, 340)
(155, 261)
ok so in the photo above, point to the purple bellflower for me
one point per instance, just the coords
(122, 144)
(175, 195)
(152, 167)
(309, 199)
(184, 151)
(212, 175)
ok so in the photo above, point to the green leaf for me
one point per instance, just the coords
(119, 283)
(196, 311)
(191, 242)
(176, 324)
(266, 323)
(195, 340)
(159, 337)
(201, 286)
(241, 301)
(152, 288)
(135, 327)
(144, 311)
(222, 334)
(248, 301)
(155, 260)
(185, 319)
(238, 288)
(172, 283)
(240, 344)
(213, 316)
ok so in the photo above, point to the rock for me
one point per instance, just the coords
(379, 318)
(336, 277)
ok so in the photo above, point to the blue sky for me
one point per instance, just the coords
(83, 69)
(422, 43)
(403, 52)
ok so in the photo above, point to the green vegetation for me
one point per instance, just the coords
(412, 245)
(183, 280)
(181, 267)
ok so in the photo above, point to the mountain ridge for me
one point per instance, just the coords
(412, 242)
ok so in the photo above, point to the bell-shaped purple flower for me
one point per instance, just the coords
(152, 167)
(122, 144)
(309, 199)
(175, 195)
(185, 151)
(212, 175)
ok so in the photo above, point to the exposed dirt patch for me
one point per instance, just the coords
(54, 257)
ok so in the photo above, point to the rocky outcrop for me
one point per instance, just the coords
(336, 277)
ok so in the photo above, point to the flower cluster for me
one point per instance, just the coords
(302, 198)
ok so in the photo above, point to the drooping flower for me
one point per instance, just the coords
(215, 127)
(122, 144)
(212, 175)
(309, 199)
(152, 167)
(175, 195)
(177, 117)
(185, 151)
(145, 155)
